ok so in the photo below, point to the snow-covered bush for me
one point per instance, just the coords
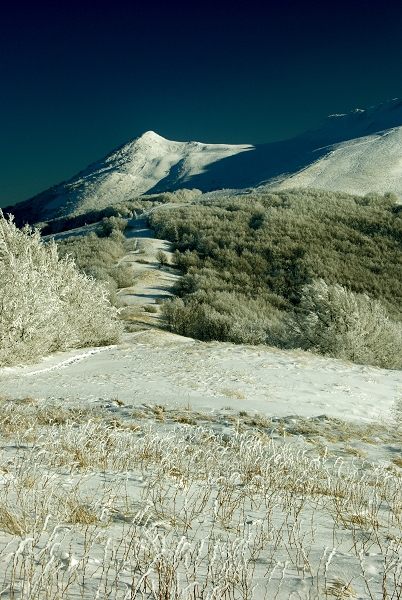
(162, 258)
(182, 195)
(97, 258)
(334, 321)
(46, 304)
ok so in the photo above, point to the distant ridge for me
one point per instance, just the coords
(359, 152)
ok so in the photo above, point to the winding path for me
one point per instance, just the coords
(152, 282)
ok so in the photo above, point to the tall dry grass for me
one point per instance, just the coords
(92, 507)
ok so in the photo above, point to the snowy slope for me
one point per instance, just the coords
(358, 166)
(144, 164)
(158, 366)
(359, 153)
(161, 457)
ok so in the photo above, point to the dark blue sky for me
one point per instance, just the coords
(79, 79)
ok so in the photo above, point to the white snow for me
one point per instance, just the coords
(168, 369)
(360, 152)
(317, 547)
(367, 164)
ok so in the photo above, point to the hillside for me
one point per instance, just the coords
(168, 467)
(358, 153)
(172, 465)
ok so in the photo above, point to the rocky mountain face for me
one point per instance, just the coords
(359, 152)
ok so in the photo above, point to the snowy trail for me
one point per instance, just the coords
(67, 361)
(151, 282)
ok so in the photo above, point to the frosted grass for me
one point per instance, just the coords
(132, 510)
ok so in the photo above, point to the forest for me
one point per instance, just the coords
(301, 268)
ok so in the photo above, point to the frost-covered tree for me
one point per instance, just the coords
(334, 321)
(46, 304)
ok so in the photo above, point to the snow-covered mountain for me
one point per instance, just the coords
(359, 152)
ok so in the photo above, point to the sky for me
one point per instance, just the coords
(79, 79)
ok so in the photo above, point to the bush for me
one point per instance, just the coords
(260, 251)
(150, 308)
(223, 316)
(162, 257)
(182, 195)
(46, 304)
(334, 321)
(91, 251)
(122, 275)
(110, 224)
(97, 258)
(274, 243)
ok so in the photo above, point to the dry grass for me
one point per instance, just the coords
(340, 589)
(233, 393)
(26, 416)
(397, 460)
(354, 451)
(96, 505)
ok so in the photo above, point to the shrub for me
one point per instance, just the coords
(123, 275)
(162, 257)
(182, 195)
(97, 258)
(223, 316)
(263, 249)
(150, 308)
(46, 304)
(91, 251)
(110, 224)
(277, 242)
(334, 321)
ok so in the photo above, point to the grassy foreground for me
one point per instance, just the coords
(121, 502)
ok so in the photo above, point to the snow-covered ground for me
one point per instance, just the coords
(157, 366)
(166, 368)
(165, 467)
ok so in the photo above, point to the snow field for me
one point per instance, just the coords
(163, 490)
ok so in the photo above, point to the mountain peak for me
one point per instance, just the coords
(359, 152)
(150, 135)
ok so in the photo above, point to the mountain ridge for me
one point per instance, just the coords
(358, 152)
